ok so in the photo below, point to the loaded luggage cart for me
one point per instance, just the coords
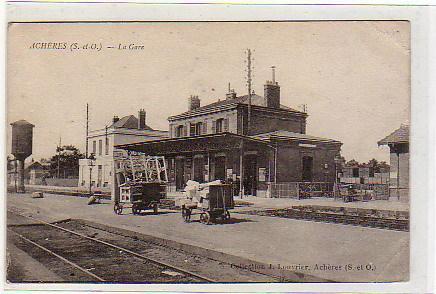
(212, 199)
(141, 182)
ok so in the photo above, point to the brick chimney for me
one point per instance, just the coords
(272, 94)
(115, 119)
(194, 102)
(141, 121)
(231, 94)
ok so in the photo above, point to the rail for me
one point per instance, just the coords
(123, 250)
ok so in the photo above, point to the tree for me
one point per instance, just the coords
(376, 166)
(65, 164)
(340, 160)
(373, 165)
(352, 162)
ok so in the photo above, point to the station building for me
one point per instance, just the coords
(98, 168)
(247, 137)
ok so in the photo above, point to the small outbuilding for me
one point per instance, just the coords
(398, 142)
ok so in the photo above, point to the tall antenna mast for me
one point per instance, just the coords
(249, 90)
(87, 130)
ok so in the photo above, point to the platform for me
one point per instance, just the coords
(258, 203)
(323, 247)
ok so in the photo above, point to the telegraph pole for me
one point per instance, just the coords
(59, 156)
(87, 130)
(249, 80)
(106, 147)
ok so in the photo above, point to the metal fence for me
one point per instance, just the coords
(283, 190)
(300, 190)
(316, 189)
(369, 191)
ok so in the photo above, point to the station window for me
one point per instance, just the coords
(219, 125)
(100, 147)
(192, 129)
(107, 146)
(196, 129)
(179, 131)
(94, 147)
(199, 128)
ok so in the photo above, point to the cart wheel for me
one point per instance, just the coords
(118, 208)
(225, 216)
(134, 209)
(205, 218)
(186, 214)
(155, 208)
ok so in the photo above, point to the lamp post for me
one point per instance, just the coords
(326, 168)
(337, 160)
(91, 165)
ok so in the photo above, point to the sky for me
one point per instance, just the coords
(353, 76)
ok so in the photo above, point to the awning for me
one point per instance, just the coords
(203, 143)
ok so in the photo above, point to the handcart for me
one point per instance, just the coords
(348, 193)
(140, 196)
(214, 200)
(141, 182)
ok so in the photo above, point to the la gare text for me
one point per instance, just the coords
(85, 46)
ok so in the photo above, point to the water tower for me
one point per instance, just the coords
(22, 137)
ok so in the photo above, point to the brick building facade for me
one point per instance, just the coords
(259, 142)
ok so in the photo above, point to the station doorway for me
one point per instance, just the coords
(220, 168)
(250, 174)
(180, 173)
(307, 174)
(199, 169)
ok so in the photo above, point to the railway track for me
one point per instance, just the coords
(337, 218)
(88, 259)
(80, 252)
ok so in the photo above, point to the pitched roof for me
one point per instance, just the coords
(287, 135)
(255, 100)
(400, 135)
(34, 165)
(129, 122)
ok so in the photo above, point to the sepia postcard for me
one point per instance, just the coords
(212, 155)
